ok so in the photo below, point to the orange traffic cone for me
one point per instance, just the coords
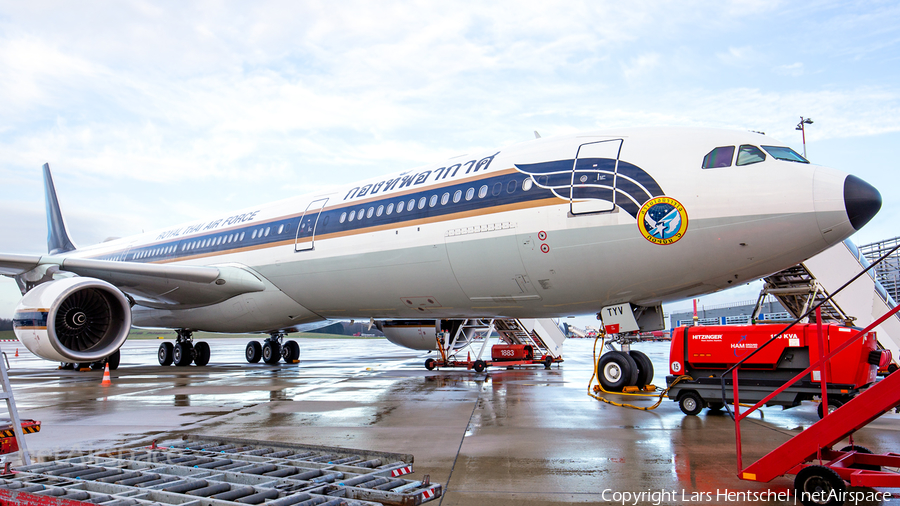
(106, 382)
(17, 352)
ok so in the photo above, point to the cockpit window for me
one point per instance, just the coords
(719, 157)
(785, 153)
(748, 154)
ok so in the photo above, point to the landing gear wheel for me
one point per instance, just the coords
(548, 362)
(861, 449)
(201, 353)
(271, 352)
(644, 366)
(290, 352)
(253, 352)
(430, 364)
(113, 360)
(821, 483)
(690, 403)
(479, 366)
(832, 405)
(183, 354)
(165, 353)
(616, 370)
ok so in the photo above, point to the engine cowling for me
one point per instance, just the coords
(73, 320)
(413, 334)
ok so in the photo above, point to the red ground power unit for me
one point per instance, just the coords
(705, 352)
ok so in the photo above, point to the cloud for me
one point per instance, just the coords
(793, 70)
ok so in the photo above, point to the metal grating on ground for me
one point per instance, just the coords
(220, 472)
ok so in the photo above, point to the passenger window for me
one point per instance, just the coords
(352, 215)
(390, 208)
(748, 155)
(280, 228)
(411, 204)
(511, 186)
(267, 234)
(432, 201)
(470, 193)
(482, 192)
(422, 203)
(445, 198)
(457, 195)
(496, 189)
(343, 217)
(370, 212)
(241, 238)
(379, 211)
(400, 206)
(526, 185)
(719, 157)
(360, 213)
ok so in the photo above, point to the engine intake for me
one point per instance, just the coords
(73, 320)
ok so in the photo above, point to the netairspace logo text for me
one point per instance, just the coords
(658, 497)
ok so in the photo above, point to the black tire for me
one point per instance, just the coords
(644, 366)
(430, 364)
(548, 362)
(253, 352)
(271, 352)
(691, 403)
(616, 370)
(183, 354)
(290, 352)
(201, 353)
(479, 365)
(891, 368)
(819, 481)
(833, 404)
(861, 449)
(715, 406)
(165, 353)
(113, 360)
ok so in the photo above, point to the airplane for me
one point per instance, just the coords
(546, 228)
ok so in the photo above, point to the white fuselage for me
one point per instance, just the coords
(504, 234)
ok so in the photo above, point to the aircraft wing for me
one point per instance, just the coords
(11, 265)
(151, 285)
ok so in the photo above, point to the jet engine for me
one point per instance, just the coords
(412, 334)
(73, 320)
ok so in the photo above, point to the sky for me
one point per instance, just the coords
(155, 113)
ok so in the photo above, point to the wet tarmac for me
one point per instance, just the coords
(520, 436)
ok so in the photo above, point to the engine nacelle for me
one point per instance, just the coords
(412, 334)
(73, 320)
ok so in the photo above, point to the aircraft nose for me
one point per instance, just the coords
(861, 200)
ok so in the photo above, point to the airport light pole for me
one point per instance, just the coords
(800, 126)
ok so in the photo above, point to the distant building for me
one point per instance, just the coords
(736, 313)
(888, 271)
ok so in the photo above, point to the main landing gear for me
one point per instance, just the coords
(184, 351)
(112, 361)
(272, 350)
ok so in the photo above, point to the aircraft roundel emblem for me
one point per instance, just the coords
(662, 220)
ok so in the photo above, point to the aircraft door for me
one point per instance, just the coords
(594, 177)
(306, 231)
